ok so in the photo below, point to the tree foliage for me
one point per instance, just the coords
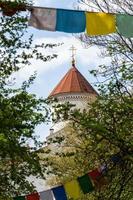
(17, 48)
(20, 111)
(94, 137)
(119, 48)
(106, 128)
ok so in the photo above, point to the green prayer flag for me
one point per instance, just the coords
(125, 25)
(85, 184)
(19, 198)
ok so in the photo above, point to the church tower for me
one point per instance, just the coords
(72, 88)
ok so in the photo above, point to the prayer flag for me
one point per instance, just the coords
(72, 189)
(43, 18)
(70, 21)
(11, 9)
(100, 23)
(34, 196)
(46, 195)
(95, 174)
(85, 184)
(59, 193)
(125, 24)
(19, 198)
(103, 169)
(97, 178)
(116, 159)
(100, 182)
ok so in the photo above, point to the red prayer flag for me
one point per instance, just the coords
(94, 174)
(101, 182)
(10, 8)
(34, 196)
(98, 178)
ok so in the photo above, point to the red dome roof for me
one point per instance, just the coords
(73, 82)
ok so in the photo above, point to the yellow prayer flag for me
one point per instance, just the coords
(72, 189)
(100, 23)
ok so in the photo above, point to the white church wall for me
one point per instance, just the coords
(79, 100)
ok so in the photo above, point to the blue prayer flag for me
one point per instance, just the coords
(116, 159)
(59, 193)
(70, 21)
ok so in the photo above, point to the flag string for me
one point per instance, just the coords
(95, 179)
(73, 21)
(30, 7)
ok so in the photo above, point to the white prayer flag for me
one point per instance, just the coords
(43, 18)
(46, 195)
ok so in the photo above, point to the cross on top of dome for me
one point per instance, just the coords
(73, 49)
(73, 81)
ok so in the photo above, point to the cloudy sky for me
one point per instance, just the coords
(50, 73)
